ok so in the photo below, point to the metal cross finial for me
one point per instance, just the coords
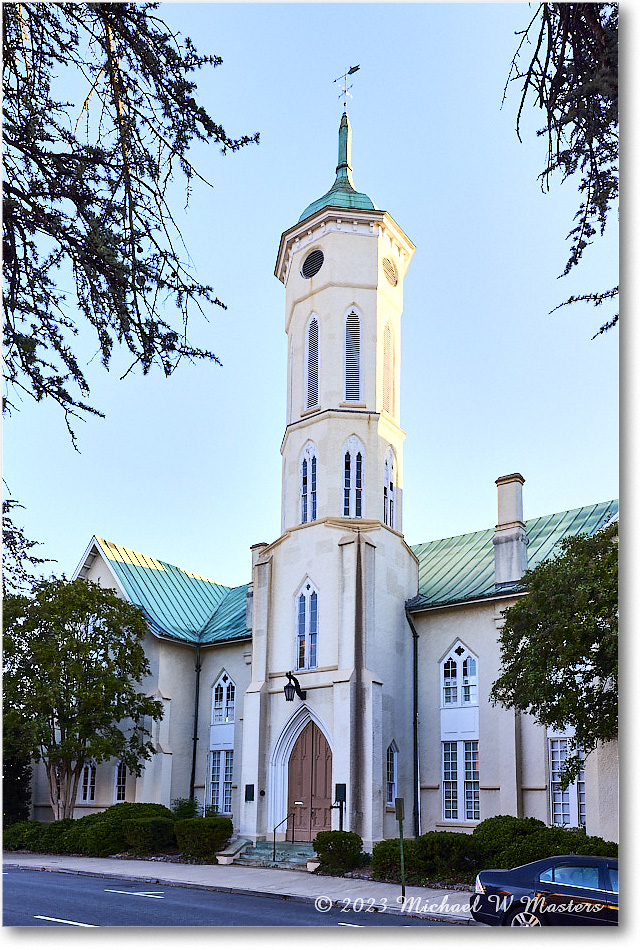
(345, 88)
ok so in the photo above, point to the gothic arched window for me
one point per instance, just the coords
(353, 458)
(353, 358)
(88, 782)
(389, 489)
(120, 782)
(308, 484)
(307, 627)
(391, 773)
(223, 699)
(459, 678)
(312, 363)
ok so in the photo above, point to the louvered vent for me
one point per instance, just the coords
(390, 271)
(353, 346)
(388, 370)
(312, 264)
(313, 364)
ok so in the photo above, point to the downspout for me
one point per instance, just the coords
(357, 699)
(415, 723)
(197, 668)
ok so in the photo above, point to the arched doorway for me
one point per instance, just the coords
(310, 784)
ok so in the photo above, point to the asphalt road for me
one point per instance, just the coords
(56, 899)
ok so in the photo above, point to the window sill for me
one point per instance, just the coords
(353, 405)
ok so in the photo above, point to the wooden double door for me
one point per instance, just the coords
(310, 784)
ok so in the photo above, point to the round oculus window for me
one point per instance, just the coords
(312, 264)
(390, 271)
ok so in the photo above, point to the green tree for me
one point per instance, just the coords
(567, 61)
(73, 661)
(559, 644)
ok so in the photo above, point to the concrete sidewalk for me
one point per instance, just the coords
(353, 894)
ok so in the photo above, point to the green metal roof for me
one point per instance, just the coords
(459, 569)
(343, 193)
(178, 603)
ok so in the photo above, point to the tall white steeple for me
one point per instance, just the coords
(343, 266)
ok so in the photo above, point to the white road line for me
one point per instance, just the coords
(342, 923)
(158, 897)
(59, 920)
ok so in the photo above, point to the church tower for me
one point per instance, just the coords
(343, 266)
(326, 602)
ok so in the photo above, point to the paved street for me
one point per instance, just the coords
(56, 899)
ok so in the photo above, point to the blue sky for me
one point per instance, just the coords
(188, 469)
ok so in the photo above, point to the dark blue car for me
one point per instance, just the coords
(569, 890)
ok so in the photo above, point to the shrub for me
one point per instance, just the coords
(386, 860)
(550, 841)
(103, 834)
(493, 835)
(149, 835)
(444, 853)
(184, 808)
(203, 837)
(14, 837)
(340, 850)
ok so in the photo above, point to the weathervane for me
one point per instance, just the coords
(345, 88)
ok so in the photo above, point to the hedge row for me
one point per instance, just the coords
(140, 828)
(500, 842)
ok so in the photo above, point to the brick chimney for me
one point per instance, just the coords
(511, 558)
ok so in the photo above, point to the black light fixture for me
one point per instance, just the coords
(292, 687)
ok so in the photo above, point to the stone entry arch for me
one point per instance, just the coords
(310, 784)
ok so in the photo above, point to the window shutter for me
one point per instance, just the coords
(353, 358)
(388, 370)
(313, 364)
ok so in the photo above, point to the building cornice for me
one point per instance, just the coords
(369, 223)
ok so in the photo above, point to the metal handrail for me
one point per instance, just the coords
(287, 818)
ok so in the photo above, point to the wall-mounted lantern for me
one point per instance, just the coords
(292, 687)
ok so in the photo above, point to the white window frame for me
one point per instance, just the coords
(223, 699)
(461, 686)
(460, 780)
(568, 803)
(391, 773)
(311, 372)
(306, 627)
(308, 484)
(389, 489)
(356, 367)
(221, 777)
(88, 782)
(353, 478)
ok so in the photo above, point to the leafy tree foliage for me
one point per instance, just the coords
(73, 659)
(86, 191)
(571, 52)
(19, 557)
(559, 644)
(16, 771)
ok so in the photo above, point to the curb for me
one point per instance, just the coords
(248, 892)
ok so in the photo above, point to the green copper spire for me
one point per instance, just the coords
(343, 193)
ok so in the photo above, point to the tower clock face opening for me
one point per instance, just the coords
(312, 264)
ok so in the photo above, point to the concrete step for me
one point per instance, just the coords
(292, 856)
